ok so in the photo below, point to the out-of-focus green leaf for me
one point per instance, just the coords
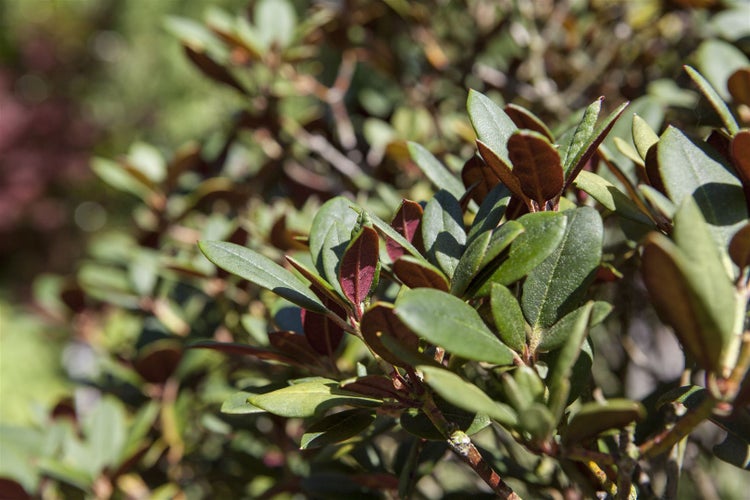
(262, 271)
(451, 323)
(610, 197)
(469, 264)
(306, 399)
(105, 429)
(435, 171)
(557, 285)
(643, 135)
(466, 395)
(716, 100)
(594, 418)
(275, 21)
(443, 232)
(237, 404)
(336, 428)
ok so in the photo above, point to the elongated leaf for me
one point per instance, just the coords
(449, 322)
(715, 99)
(336, 428)
(492, 125)
(592, 144)
(470, 263)
(443, 232)
(466, 395)
(478, 177)
(557, 285)
(406, 222)
(237, 404)
(490, 212)
(556, 336)
(610, 197)
(416, 422)
(360, 265)
(308, 398)
(508, 317)
(689, 170)
(245, 350)
(386, 230)
(323, 334)
(377, 386)
(262, 271)
(537, 165)
(525, 119)
(643, 136)
(320, 287)
(415, 273)
(542, 233)
(330, 234)
(583, 132)
(438, 174)
(380, 320)
(594, 418)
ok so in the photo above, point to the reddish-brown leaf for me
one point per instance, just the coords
(738, 85)
(323, 334)
(406, 223)
(478, 177)
(377, 386)
(525, 119)
(740, 152)
(359, 265)
(380, 320)
(212, 69)
(502, 170)
(739, 247)
(245, 350)
(537, 165)
(295, 346)
(415, 274)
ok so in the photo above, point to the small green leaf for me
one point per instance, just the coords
(306, 399)
(610, 197)
(492, 125)
(276, 21)
(538, 421)
(466, 395)
(508, 317)
(443, 231)
(335, 428)
(237, 404)
(594, 418)
(555, 336)
(435, 171)
(557, 285)
(643, 136)
(262, 271)
(490, 212)
(449, 322)
(715, 99)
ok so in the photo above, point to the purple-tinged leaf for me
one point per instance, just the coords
(360, 266)
(536, 165)
(379, 321)
(525, 119)
(406, 223)
(478, 177)
(502, 170)
(323, 333)
(319, 286)
(295, 346)
(246, 350)
(376, 386)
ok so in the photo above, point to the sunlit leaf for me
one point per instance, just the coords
(308, 398)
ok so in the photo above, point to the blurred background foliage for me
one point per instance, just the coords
(129, 130)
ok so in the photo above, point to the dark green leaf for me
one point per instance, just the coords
(305, 399)
(443, 231)
(470, 263)
(508, 317)
(492, 125)
(449, 322)
(262, 271)
(594, 418)
(610, 197)
(336, 428)
(490, 212)
(438, 174)
(557, 285)
(583, 132)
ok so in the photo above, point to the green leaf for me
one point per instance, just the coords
(538, 421)
(508, 317)
(336, 428)
(466, 395)
(555, 336)
(262, 271)
(643, 135)
(715, 99)
(562, 368)
(306, 399)
(435, 171)
(469, 264)
(594, 418)
(386, 230)
(583, 132)
(490, 212)
(492, 125)
(557, 285)
(237, 404)
(119, 178)
(687, 169)
(416, 422)
(610, 197)
(106, 433)
(443, 231)
(337, 215)
(276, 21)
(449, 322)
